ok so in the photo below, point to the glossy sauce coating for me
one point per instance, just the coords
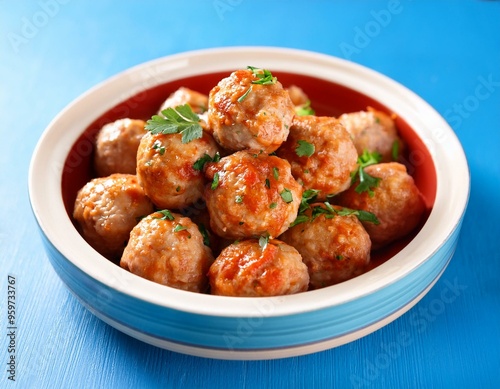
(107, 208)
(255, 195)
(246, 269)
(165, 168)
(169, 252)
(329, 168)
(245, 116)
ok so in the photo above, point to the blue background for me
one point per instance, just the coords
(52, 51)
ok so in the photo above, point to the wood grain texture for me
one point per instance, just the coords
(442, 342)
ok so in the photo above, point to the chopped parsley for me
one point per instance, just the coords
(215, 181)
(330, 212)
(238, 199)
(263, 241)
(305, 110)
(273, 205)
(366, 182)
(179, 227)
(244, 95)
(304, 149)
(167, 215)
(200, 162)
(178, 120)
(308, 197)
(205, 234)
(158, 147)
(264, 76)
(267, 183)
(276, 173)
(286, 195)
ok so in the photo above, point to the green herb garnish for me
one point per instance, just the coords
(308, 197)
(264, 76)
(215, 181)
(263, 241)
(276, 173)
(205, 234)
(286, 195)
(178, 120)
(200, 162)
(273, 205)
(238, 199)
(158, 147)
(244, 95)
(167, 215)
(366, 182)
(179, 227)
(305, 110)
(304, 149)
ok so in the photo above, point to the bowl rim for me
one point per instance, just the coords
(47, 163)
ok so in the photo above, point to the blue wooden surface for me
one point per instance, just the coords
(448, 52)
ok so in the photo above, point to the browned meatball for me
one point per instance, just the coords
(335, 248)
(107, 208)
(116, 147)
(373, 131)
(197, 101)
(251, 194)
(396, 202)
(246, 269)
(165, 168)
(328, 168)
(168, 248)
(244, 115)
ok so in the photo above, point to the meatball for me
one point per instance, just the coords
(297, 95)
(245, 115)
(168, 248)
(116, 147)
(107, 208)
(245, 269)
(374, 131)
(197, 101)
(335, 248)
(396, 202)
(251, 194)
(165, 168)
(321, 154)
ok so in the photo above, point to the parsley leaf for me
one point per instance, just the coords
(286, 195)
(366, 182)
(304, 149)
(276, 173)
(167, 215)
(305, 110)
(215, 182)
(179, 227)
(244, 95)
(178, 120)
(263, 241)
(200, 162)
(264, 76)
(300, 219)
(308, 197)
(205, 234)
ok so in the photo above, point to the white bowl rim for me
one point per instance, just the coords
(46, 167)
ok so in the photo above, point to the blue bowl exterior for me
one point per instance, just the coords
(257, 333)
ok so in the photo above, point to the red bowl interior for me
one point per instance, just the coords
(327, 98)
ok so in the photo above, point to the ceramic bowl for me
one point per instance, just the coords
(250, 328)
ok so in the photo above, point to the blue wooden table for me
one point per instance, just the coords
(51, 51)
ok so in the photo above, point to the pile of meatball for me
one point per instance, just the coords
(220, 214)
